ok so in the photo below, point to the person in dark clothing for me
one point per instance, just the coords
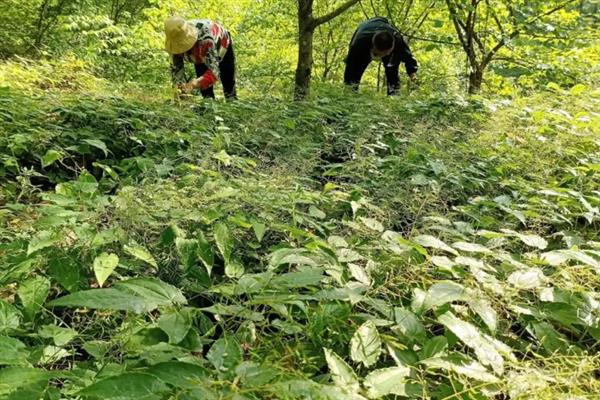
(377, 39)
(209, 47)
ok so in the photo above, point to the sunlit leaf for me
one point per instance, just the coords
(128, 386)
(10, 317)
(104, 265)
(12, 351)
(33, 293)
(342, 374)
(383, 382)
(224, 241)
(225, 354)
(365, 345)
(472, 337)
(140, 253)
(442, 293)
(434, 243)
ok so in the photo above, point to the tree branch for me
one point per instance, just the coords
(488, 58)
(328, 17)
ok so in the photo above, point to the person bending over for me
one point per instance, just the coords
(209, 47)
(376, 39)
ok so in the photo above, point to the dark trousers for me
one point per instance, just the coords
(226, 72)
(356, 64)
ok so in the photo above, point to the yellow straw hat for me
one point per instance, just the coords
(180, 35)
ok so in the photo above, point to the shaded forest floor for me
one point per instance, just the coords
(431, 246)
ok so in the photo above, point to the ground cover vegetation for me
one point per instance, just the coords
(439, 244)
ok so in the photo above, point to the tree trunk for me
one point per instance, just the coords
(475, 80)
(39, 34)
(306, 29)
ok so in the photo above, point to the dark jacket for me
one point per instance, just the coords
(359, 54)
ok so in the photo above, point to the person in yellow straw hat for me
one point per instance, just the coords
(209, 47)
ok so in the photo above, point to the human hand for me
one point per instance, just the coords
(186, 88)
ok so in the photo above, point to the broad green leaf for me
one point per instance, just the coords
(533, 241)
(359, 273)
(337, 241)
(386, 381)
(434, 347)
(104, 265)
(292, 256)
(443, 262)
(472, 337)
(235, 310)
(225, 354)
(12, 378)
(579, 89)
(172, 232)
(471, 247)
(42, 240)
(531, 278)
(365, 345)
(96, 348)
(352, 292)
(179, 374)
(107, 169)
(485, 311)
(418, 301)
(304, 277)
(252, 374)
(107, 236)
(59, 335)
(409, 326)
(51, 157)
(402, 357)
(223, 158)
(140, 253)
(549, 338)
(442, 293)
(105, 299)
(307, 389)
(33, 293)
(468, 368)
(434, 243)
(99, 144)
(234, 268)
(372, 224)
(34, 391)
(52, 354)
(342, 374)
(176, 324)
(348, 255)
(224, 241)
(315, 212)
(188, 251)
(66, 272)
(10, 317)
(205, 252)
(128, 386)
(259, 230)
(566, 314)
(559, 257)
(153, 291)
(12, 351)
(86, 183)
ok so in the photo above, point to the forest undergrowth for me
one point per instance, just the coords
(347, 247)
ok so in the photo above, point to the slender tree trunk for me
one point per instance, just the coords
(306, 29)
(39, 34)
(475, 79)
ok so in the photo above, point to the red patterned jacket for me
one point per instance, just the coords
(213, 42)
